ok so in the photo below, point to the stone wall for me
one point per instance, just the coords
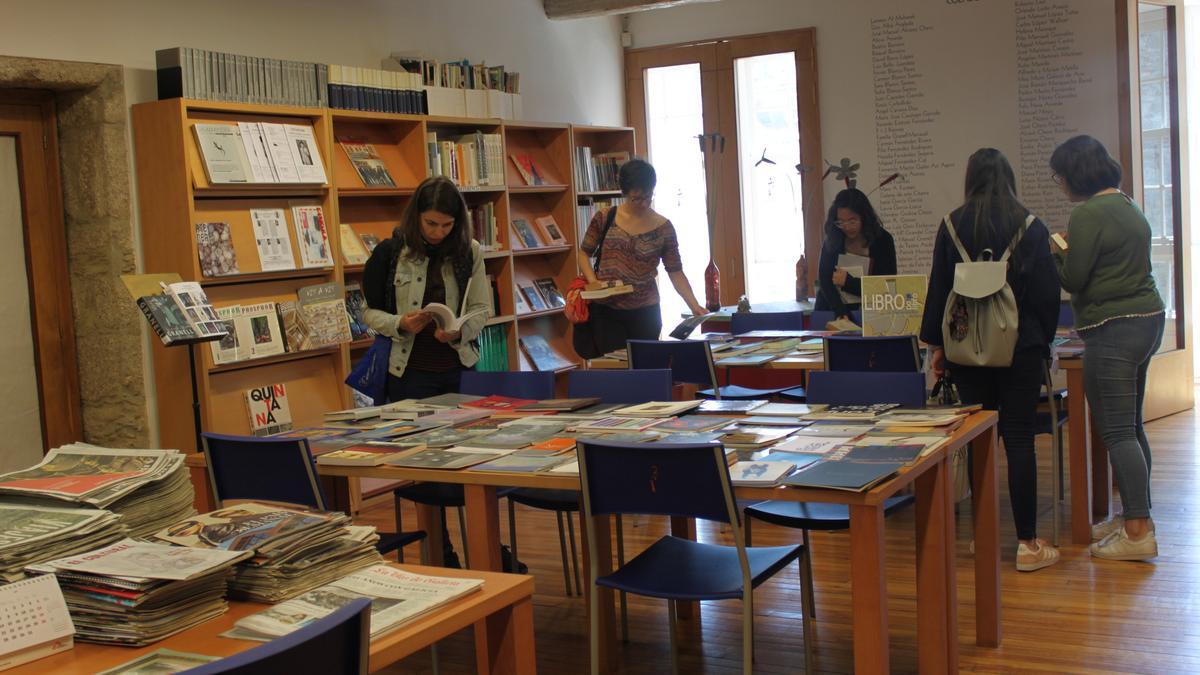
(95, 168)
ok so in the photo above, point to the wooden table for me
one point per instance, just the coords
(1087, 457)
(505, 603)
(798, 360)
(936, 591)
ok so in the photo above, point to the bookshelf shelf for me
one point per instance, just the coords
(353, 269)
(493, 255)
(537, 189)
(362, 344)
(257, 190)
(541, 312)
(472, 189)
(541, 250)
(497, 320)
(269, 360)
(375, 192)
(282, 275)
(600, 193)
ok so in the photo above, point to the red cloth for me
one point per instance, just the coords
(577, 308)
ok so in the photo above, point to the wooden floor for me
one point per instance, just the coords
(1078, 616)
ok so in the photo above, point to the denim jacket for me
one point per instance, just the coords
(410, 291)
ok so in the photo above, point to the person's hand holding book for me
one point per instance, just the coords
(415, 322)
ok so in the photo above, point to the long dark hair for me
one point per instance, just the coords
(990, 196)
(1084, 163)
(856, 201)
(438, 194)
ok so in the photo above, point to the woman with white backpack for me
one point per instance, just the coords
(969, 314)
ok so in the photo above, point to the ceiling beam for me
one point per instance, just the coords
(574, 9)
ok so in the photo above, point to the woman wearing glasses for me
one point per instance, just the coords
(629, 240)
(853, 230)
(1120, 316)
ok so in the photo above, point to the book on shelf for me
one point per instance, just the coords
(549, 230)
(527, 168)
(270, 412)
(520, 306)
(356, 307)
(493, 349)
(526, 234)
(306, 156)
(532, 296)
(253, 333)
(185, 72)
(272, 239)
(279, 149)
(369, 241)
(483, 226)
(470, 160)
(297, 335)
(541, 354)
(353, 251)
(312, 236)
(323, 311)
(178, 311)
(549, 291)
(254, 142)
(759, 474)
(600, 288)
(222, 152)
(366, 161)
(375, 90)
(214, 245)
(598, 173)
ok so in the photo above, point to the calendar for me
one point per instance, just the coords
(34, 621)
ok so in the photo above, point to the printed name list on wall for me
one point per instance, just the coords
(950, 78)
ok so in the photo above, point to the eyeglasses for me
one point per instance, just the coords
(1058, 180)
(848, 221)
(641, 199)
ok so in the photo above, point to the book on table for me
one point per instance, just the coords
(517, 463)
(866, 412)
(515, 436)
(843, 475)
(759, 474)
(160, 661)
(449, 400)
(786, 409)
(692, 424)
(816, 445)
(722, 406)
(443, 458)
(657, 409)
(689, 436)
(685, 327)
(615, 424)
(563, 404)
(353, 413)
(893, 305)
(498, 403)
(359, 455)
(746, 359)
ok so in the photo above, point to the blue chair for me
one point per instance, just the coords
(893, 353)
(279, 470)
(819, 318)
(907, 389)
(691, 362)
(744, 322)
(680, 480)
(336, 644)
(516, 384)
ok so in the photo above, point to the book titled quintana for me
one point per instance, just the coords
(214, 245)
(272, 240)
(312, 236)
(269, 409)
(323, 311)
(542, 354)
(367, 162)
(893, 305)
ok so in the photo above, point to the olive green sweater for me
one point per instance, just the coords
(1106, 268)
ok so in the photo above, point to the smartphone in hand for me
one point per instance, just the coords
(1059, 241)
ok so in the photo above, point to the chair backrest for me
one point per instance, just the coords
(664, 479)
(536, 385)
(819, 318)
(1066, 315)
(894, 353)
(621, 386)
(850, 388)
(271, 469)
(689, 361)
(336, 644)
(744, 322)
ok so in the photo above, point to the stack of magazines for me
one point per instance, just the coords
(134, 593)
(397, 597)
(149, 489)
(31, 533)
(294, 550)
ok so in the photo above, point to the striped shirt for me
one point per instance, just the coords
(632, 258)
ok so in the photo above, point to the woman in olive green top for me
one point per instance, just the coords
(1119, 314)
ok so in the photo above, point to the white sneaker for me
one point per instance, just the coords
(1118, 546)
(1102, 530)
(1033, 559)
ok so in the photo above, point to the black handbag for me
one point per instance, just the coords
(584, 336)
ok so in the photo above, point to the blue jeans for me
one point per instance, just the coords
(1116, 357)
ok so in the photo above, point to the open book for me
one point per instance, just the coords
(444, 317)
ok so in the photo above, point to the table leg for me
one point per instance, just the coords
(935, 642)
(429, 519)
(1102, 480)
(483, 545)
(868, 589)
(685, 528)
(604, 596)
(1079, 458)
(511, 649)
(986, 507)
(951, 577)
(202, 496)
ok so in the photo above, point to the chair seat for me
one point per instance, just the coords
(797, 394)
(445, 495)
(547, 500)
(680, 569)
(815, 515)
(734, 392)
(391, 541)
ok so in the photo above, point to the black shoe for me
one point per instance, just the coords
(506, 561)
(450, 559)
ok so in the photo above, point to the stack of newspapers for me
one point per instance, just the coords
(397, 597)
(134, 593)
(294, 550)
(31, 533)
(149, 489)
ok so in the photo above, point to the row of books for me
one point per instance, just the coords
(322, 315)
(375, 90)
(471, 160)
(538, 295)
(493, 349)
(543, 231)
(460, 74)
(259, 152)
(597, 173)
(483, 226)
(218, 256)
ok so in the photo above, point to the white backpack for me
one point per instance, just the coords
(979, 326)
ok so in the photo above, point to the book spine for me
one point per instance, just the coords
(145, 307)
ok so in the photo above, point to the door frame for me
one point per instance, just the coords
(31, 118)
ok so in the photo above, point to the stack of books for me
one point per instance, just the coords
(149, 489)
(32, 533)
(293, 550)
(134, 593)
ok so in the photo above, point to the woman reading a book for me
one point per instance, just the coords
(628, 241)
(855, 245)
(430, 258)
(993, 218)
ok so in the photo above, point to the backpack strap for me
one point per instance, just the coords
(962, 251)
(1017, 237)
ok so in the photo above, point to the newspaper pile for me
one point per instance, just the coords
(134, 593)
(397, 597)
(294, 550)
(33, 533)
(149, 489)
